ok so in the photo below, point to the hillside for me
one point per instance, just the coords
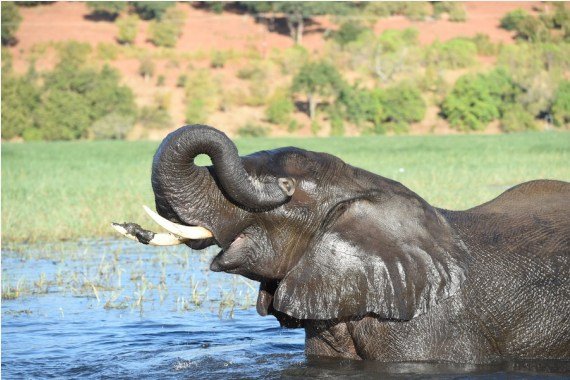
(237, 37)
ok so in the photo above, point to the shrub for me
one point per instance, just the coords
(181, 81)
(73, 53)
(149, 10)
(163, 33)
(252, 130)
(11, 19)
(561, 105)
(516, 119)
(219, 60)
(107, 9)
(290, 60)
(202, 96)
(455, 10)
(416, 10)
(532, 29)
(512, 19)
(166, 30)
(255, 71)
(20, 99)
(112, 127)
(106, 51)
(337, 123)
(160, 80)
(484, 45)
(128, 29)
(315, 127)
(403, 103)
(146, 68)
(293, 126)
(279, 108)
(348, 32)
(454, 54)
(478, 99)
(153, 117)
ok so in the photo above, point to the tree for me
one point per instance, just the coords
(149, 10)
(297, 13)
(11, 19)
(348, 32)
(314, 79)
(107, 9)
(511, 20)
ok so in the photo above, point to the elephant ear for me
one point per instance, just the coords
(393, 256)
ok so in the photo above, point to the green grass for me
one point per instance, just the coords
(71, 190)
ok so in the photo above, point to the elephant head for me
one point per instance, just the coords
(325, 240)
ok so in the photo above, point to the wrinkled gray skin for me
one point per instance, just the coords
(366, 266)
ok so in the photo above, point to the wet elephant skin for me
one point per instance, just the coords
(367, 267)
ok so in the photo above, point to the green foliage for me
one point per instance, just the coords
(279, 108)
(146, 67)
(516, 119)
(160, 80)
(106, 51)
(511, 20)
(202, 96)
(254, 71)
(181, 81)
(73, 53)
(477, 99)
(163, 34)
(128, 29)
(403, 103)
(415, 11)
(112, 127)
(166, 30)
(293, 126)
(153, 117)
(532, 29)
(456, 53)
(149, 10)
(484, 45)
(290, 60)
(70, 101)
(219, 60)
(536, 68)
(11, 19)
(561, 106)
(317, 79)
(337, 123)
(348, 32)
(252, 130)
(298, 12)
(107, 9)
(20, 99)
(455, 10)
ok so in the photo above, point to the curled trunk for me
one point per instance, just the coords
(174, 171)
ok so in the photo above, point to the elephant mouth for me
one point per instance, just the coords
(265, 307)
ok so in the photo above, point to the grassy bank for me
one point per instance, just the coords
(59, 191)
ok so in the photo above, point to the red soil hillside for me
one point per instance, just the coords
(204, 31)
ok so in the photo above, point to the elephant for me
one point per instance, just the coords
(367, 267)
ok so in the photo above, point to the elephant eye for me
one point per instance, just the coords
(336, 211)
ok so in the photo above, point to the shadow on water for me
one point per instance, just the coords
(122, 310)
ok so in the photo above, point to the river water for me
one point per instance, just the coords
(116, 309)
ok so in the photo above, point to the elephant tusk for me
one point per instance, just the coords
(161, 239)
(188, 232)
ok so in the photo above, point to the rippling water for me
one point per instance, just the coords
(122, 310)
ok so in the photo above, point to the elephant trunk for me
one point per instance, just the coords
(175, 172)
